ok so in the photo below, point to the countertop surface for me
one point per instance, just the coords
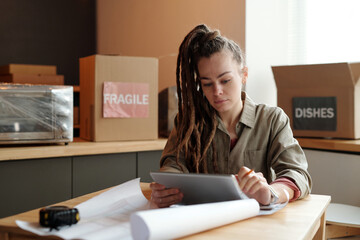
(342, 145)
(80, 147)
(77, 148)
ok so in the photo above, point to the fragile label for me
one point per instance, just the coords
(125, 100)
(314, 113)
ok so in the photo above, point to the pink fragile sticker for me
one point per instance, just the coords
(125, 100)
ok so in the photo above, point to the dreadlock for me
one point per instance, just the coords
(196, 120)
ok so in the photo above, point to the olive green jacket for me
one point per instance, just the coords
(266, 144)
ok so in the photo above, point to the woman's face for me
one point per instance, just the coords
(221, 81)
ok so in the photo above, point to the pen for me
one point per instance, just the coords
(237, 177)
(248, 173)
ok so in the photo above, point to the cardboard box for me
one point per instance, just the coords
(168, 109)
(28, 69)
(76, 115)
(33, 79)
(321, 100)
(96, 72)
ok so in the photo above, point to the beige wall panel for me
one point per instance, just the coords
(155, 28)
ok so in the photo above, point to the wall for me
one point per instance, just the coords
(44, 32)
(156, 28)
(266, 45)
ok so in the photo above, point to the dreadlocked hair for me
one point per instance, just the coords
(196, 119)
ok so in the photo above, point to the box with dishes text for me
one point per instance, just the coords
(321, 100)
(119, 98)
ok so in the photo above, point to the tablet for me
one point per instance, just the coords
(201, 188)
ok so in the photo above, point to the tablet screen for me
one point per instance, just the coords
(201, 188)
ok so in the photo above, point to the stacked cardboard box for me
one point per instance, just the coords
(30, 74)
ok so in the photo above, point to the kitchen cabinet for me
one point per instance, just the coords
(31, 183)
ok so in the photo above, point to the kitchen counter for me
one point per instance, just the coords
(80, 147)
(340, 145)
(46, 174)
(77, 148)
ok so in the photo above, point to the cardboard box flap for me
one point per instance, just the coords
(355, 70)
(316, 75)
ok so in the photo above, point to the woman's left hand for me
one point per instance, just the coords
(254, 185)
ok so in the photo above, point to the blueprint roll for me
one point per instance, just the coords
(176, 222)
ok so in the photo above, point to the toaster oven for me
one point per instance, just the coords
(36, 114)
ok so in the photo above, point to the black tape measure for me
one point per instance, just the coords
(56, 216)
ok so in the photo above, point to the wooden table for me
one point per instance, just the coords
(303, 219)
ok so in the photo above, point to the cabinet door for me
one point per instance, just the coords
(335, 174)
(33, 183)
(147, 162)
(97, 172)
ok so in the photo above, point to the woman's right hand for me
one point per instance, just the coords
(164, 197)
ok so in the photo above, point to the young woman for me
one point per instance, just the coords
(220, 130)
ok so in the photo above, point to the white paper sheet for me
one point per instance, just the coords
(105, 216)
(170, 223)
